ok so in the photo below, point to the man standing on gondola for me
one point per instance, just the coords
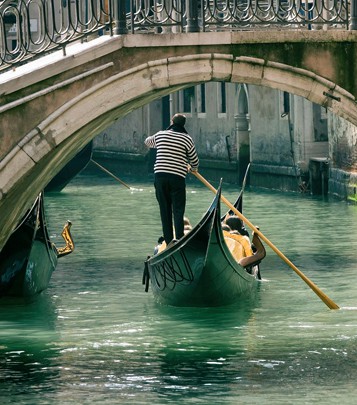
(175, 153)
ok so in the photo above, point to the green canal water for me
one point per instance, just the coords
(95, 336)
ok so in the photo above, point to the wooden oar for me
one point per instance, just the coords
(110, 174)
(321, 295)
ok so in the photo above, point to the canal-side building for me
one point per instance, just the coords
(285, 138)
(342, 158)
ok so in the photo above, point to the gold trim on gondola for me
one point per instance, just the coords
(66, 235)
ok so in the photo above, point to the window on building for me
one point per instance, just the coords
(222, 98)
(320, 123)
(201, 98)
(284, 104)
(187, 96)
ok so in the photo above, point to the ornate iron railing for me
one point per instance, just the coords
(32, 27)
(285, 13)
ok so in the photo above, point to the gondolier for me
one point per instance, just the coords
(205, 267)
(175, 150)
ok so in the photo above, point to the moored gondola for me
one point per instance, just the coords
(200, 269)
(29, 258)
(71, 169)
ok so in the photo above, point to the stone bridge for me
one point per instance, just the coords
(50, 108)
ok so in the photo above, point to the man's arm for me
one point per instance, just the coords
(150, 141)
(193, 158)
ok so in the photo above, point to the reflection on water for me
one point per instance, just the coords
(95, 335)
(27, 332)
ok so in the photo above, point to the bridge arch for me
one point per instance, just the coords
(48, 147)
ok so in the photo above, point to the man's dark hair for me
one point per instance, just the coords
(236, 224)
(179, 119)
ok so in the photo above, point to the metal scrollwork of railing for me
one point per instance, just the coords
(32, 27)
(164, 15)
(240, 14)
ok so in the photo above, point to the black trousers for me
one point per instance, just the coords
(171, 196)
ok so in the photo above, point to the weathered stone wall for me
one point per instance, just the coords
(271, 147)
(270, 139)
(213, 133)
(343, 145)
(127, 134)
(343, 158)
(281, 147)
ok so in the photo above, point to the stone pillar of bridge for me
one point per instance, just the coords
(353, 18)
(192, 16)
(243, 144)
(242, 128)
(120, 17)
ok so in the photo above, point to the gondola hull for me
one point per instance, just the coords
(71, 169)
(199, 270)
(28, 259)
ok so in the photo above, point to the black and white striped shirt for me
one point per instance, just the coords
(174, 150)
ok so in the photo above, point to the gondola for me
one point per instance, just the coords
(200, 269)
(71, 169)
(29, 258)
